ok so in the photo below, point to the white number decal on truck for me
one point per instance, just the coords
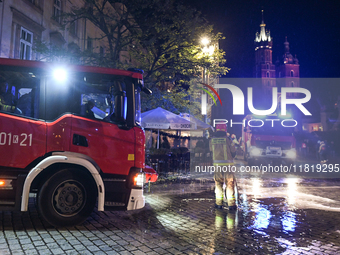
(9, 139)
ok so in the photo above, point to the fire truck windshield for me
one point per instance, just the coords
(277, 129)
(37, 94)
(103, 96)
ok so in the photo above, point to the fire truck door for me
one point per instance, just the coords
(22, 140)
(111, 147)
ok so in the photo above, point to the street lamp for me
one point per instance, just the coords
(208, 50)
(205, 41)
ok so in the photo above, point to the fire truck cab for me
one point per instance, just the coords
(72, 136)
(265, 138)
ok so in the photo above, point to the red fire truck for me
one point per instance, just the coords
(72, 136)
(267, 138)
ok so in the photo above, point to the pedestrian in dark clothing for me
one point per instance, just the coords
(323, 152)
(165, 143)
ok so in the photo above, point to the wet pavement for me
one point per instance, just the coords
(275, 216)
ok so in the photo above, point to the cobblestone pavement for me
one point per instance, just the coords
(276, 216)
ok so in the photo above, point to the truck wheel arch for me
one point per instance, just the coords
(54, 160)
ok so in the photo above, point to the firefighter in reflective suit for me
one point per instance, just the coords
(4, 106)
(223, 151)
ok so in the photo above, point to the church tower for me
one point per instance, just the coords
(289, 70)
(264, 67)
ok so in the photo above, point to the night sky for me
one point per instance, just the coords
(311, 26)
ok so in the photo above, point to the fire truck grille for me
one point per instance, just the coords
(283, 145)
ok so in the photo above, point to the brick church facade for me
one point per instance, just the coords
(287, 67)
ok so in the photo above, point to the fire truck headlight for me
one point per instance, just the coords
(138, 179)
(291, 153)
(60, 74)
(255, 151)
(6, 184)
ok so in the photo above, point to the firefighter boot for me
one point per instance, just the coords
(219, 195)
(218, 206)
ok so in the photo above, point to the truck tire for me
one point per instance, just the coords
(67, 198)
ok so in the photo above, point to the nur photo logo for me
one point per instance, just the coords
(204, 98)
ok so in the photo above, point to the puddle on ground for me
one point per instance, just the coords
(272, 217)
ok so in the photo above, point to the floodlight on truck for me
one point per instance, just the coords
(60, 74)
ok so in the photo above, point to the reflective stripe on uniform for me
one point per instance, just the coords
(4, 107)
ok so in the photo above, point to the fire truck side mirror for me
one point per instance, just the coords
(147, 91)
(120, 107)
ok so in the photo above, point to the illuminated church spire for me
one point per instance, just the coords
(263, 35)
(264, 67)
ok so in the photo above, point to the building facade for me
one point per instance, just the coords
(27, 24)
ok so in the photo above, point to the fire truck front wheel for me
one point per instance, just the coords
(67, 198)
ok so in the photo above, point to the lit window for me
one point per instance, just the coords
(26, 40)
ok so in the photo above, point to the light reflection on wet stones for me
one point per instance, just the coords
(180, 218)
(263, 225)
